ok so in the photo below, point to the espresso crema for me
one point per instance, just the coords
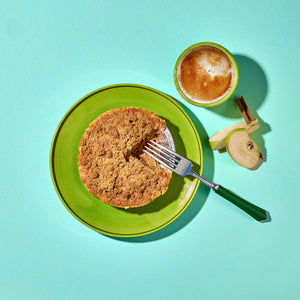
(205, 74)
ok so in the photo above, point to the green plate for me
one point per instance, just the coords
(91, 211)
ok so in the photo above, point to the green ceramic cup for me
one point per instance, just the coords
(197, 101)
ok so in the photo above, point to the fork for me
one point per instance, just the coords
(183, 167)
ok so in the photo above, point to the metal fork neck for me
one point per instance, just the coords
(205, 181)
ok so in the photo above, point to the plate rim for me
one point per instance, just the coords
(52, 150)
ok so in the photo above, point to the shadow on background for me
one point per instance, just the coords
(253, 86)
(200, 197)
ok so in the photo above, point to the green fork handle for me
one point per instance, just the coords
(254, 211)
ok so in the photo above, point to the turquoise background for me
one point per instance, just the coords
(55, 52)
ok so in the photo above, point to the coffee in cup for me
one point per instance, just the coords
(206, 74)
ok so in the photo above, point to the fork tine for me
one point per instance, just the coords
(165, 153)
(159, 160)
(152, 143)
(161, 157)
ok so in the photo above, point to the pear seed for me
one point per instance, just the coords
(250, 145)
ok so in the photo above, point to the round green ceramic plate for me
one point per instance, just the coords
(91, 211)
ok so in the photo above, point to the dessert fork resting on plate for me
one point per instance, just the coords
(183, 167)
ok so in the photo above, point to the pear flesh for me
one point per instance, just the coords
(243, 150)
(218, 140)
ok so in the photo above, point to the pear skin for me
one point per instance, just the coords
(218, 140)
(243, 150)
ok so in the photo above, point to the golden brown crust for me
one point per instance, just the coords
(111, 163)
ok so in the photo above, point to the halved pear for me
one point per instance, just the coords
(243, 150)
(218, 140)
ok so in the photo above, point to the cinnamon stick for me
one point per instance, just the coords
(244, 110)
(251, 118)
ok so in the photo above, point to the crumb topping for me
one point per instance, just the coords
(111, 161)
